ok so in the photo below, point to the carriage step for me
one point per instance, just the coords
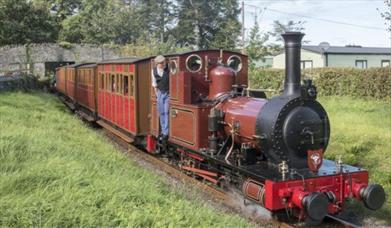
(115, 131)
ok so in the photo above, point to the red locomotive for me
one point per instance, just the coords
(271, 149)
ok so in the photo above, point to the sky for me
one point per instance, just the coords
(369, 29)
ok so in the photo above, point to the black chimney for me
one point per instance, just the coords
(292, 62)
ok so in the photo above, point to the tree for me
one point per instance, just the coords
(119, 22)
(156, 18)
(98, 22)
(280, 28)
(23, 22)
(228, 28)
(387, 14)
(61, 8)
(256, 49)
(205, 24)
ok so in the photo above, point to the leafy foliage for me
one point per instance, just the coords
(19, 81)
(23, 22)
(154, 47)
(256, 48)
(61, 8)
(280, 28)
(207, 24)
(192, 24)
(387, 14)
(370, 83)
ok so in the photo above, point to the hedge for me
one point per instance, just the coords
(368, 83)
(21, 81)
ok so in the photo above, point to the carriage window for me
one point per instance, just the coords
(126, 85)
(115, 83)
(193, 63)
(112, 85)
(119, 83)
(102, 81)
(235, 63)
(131, 88)
(108, 82)
(92, 77)
(105, 84)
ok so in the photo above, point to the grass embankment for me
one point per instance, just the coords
(55, 171)
(361, 133)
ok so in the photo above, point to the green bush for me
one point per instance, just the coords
(65, 45)
(23, 82)
(369, 83)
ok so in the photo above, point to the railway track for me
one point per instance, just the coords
(211, 192)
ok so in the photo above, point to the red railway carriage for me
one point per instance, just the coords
(123, 94)
(70, 81)
(61, 80)
(66, 80)
(86, 89)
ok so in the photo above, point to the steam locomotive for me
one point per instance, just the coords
(271, 149)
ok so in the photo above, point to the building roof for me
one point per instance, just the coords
(348, 50)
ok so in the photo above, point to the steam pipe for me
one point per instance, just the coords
(292, 62)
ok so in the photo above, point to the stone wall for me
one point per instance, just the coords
(32, 58)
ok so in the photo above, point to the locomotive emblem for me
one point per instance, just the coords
(314, 159)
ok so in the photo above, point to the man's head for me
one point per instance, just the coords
(160, 61)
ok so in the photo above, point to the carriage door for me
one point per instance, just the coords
(154, 115)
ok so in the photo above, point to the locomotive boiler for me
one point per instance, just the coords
(285, 129)
(271, 149)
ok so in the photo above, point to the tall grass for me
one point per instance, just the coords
(361, 133)
(56, 172)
